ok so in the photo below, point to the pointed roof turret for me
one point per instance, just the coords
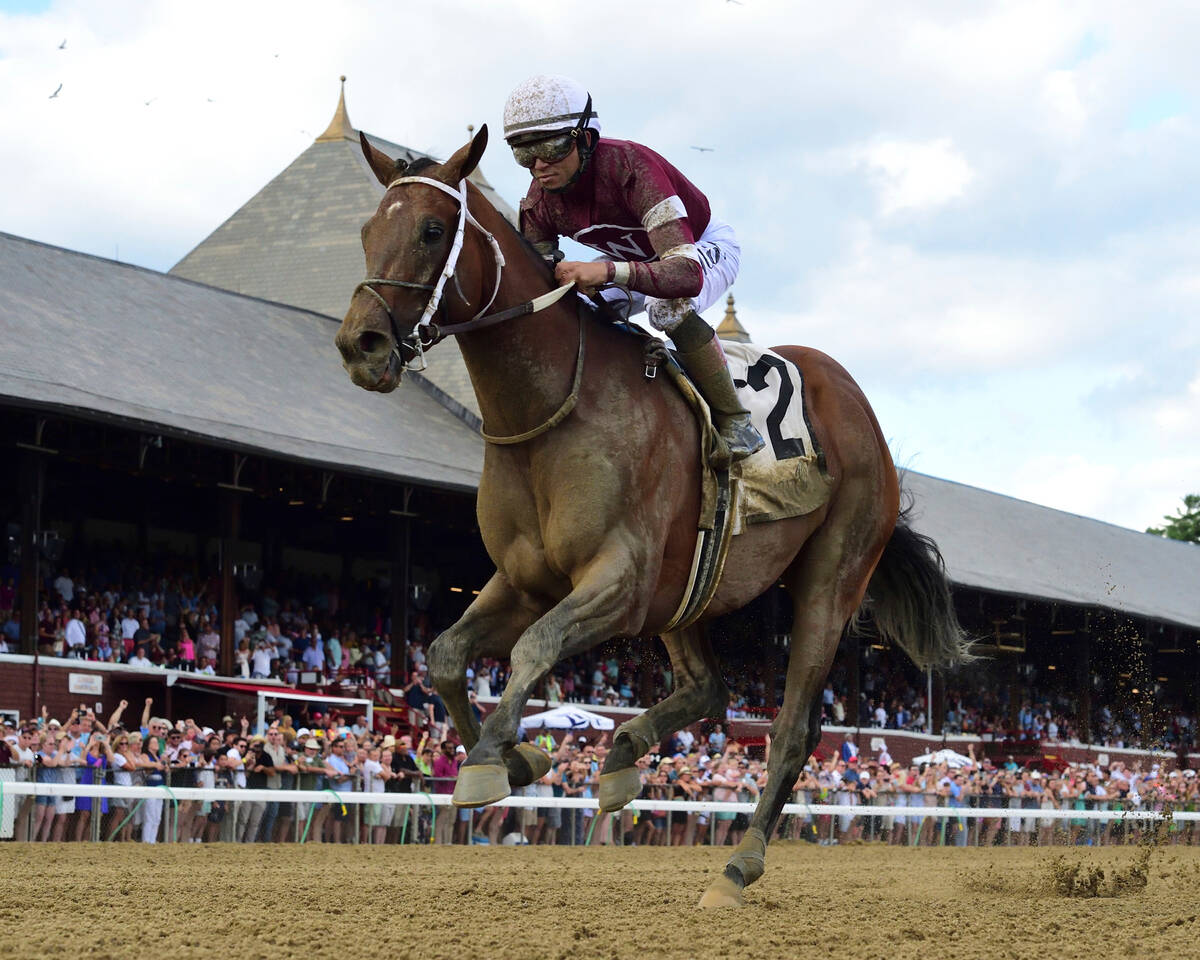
(297, 240)
(339, 127)
(730, 327)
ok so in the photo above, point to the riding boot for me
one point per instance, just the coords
(700, 353)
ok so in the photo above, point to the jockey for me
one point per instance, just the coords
(657, 240)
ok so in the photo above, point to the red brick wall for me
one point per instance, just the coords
(17, 693)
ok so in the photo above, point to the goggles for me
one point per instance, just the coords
(551, 150)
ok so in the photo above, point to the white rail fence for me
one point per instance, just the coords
(951, 825)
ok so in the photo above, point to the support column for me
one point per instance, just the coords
(401, 553)
(646, 672)
(272, 550)
(853, 648)
(32, 486)
(939, 702)
(230, 521)
(143, 531)
(1014, 690)
(777, 630)
(771, 671)
(1084, 658)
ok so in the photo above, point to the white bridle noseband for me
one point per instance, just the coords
(425, 331)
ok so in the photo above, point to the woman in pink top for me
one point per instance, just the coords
(187, 649)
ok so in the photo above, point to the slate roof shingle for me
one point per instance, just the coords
(163, 351)
(167, 352)
(296, 241)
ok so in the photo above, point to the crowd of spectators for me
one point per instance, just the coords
(893, 696)
(332, 754)
(967, 781)
(305, 626)
(173, 621)
(336, 754)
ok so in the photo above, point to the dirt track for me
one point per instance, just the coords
(462, 903)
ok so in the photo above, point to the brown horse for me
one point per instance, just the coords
(589, 509)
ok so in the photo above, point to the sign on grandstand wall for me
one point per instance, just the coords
(89, 683)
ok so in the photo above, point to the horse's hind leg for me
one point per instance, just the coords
(699, 692)
(827, 583)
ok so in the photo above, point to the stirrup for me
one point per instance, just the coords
(741, 436)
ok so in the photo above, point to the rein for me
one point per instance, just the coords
(426, 333)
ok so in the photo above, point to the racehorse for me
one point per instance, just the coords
(588, 506)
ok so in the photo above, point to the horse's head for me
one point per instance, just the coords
(407, 244)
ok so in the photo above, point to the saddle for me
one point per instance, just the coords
(787, 478)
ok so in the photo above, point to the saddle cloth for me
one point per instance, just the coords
(786, 478)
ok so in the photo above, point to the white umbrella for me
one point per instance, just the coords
(567, 718)
(949, 757)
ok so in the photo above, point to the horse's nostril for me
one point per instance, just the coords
(370, 342)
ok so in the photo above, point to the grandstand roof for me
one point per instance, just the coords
(107, 340)
(297, 240)
(103, 339)
(998, 543)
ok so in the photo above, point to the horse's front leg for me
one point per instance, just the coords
(601, 606)
(699, 692)
(489, 627)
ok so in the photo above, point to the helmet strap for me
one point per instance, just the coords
(586, 140)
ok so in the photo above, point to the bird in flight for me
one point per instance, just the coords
(705, 149)
(63, 45)
(55, 93)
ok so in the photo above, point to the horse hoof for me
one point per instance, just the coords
(722, 892)
(526, 764)
(481, 784)
(618, 788)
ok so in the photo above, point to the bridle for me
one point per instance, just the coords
(425, 332)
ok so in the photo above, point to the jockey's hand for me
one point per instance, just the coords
(587, 276)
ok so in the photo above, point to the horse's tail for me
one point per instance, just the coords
(910, 602)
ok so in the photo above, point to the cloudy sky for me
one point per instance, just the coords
(987, 212)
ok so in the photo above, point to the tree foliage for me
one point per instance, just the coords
(1185, 524)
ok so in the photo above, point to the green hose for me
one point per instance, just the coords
(432, 817)
(129, 816)
(312, 808)
(174, 814)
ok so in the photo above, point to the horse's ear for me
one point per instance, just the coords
(384, 167)
(466, 158)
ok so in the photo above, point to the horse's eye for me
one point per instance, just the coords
(433, 232)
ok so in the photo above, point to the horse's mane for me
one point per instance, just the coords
(421, 163)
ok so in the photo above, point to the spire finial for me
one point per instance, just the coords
(339, 127)
(730, 328)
